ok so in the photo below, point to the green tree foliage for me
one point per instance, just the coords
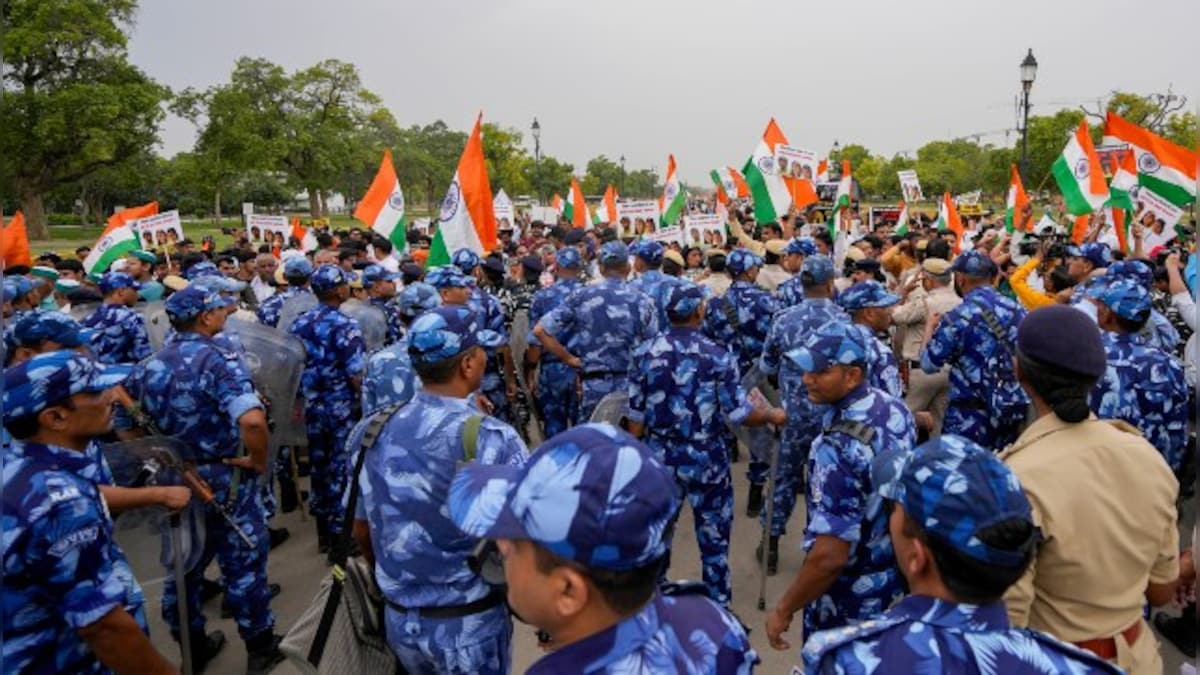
(550, 177)
(601, 172)
(642, 184)
(508, 162)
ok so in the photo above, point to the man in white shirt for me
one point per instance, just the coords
(263, 282)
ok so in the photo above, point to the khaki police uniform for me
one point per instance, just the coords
(925, 392)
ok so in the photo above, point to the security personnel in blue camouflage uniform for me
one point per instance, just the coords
(390, 376)
(647, 264)
(1158, 332)
(18, 300)
(499, 384)
(296, 271)
(381, 291)
(790, 327)
(441, 616)
(868, 303)
(582, 532)
(603, 323)
(66, 606)
(193, 392)
(120, 332)
(976, 339)
(963, 532)
(1141, 385)
(556, 393)
(849, 572)
(739, 320)
(684, 391)
(791, 292)
(331, 383)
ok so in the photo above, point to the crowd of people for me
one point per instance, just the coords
(990, 432)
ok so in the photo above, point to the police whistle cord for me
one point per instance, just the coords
(191, 478)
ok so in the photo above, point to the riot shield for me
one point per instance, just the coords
(371, 322)
(761, 441)
(157, 323)
(518, 338)
(81, 312)
(294, 307)
(612, 408)
(275, 361)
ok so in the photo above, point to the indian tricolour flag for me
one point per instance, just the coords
(842, 200)
(730, 184)
(823, 171)
(902, 220)
(1167, 169)
(948, 220)
(116, 243)
(767, 189)
(304, 235)
(557, 204)
(1079, 175)
(606, 211)
(575, 209)
(673, 199)
(1016, 202)
(1120, 203)
(382, 208)
(466, 219)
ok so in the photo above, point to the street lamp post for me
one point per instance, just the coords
(622, 174)
(835, 168)
(537, 158)
(1028, 75)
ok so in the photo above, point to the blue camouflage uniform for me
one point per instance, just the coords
(421, 558)
(789, 329)
(866, 427)
(1158, 332)
(14, 289)
(951, 488)
(557, 395)
(194, 392)
(883, 369)
(603, 322)
(491, 315)
(336, 354)
(653, 282)
(390, 377)
(752, 307)
(791, 292)
(986, 404)
(684, 389)
(599, 498)
(62, 569)
(121, 335)
(371, 275)
(1142, 385)
(269, 309)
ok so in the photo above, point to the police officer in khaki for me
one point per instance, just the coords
(1102, 496)
(934, 293)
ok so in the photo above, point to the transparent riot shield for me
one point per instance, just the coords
(761, 441)
(371, 321)
(294, 307)
(154, 314)
(275, 361)
(612, 408)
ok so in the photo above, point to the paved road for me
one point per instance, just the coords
(299, 569)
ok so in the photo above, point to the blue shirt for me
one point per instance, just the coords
(391, 313)
(679, 634)
(61, 565)
(657, 286)
(883, 371)
(268, 311)
(790, 293)
(390, 378)
(979, 364)
(420, 555)
(604, 322)
(754, 309)
(789, 329)
(843, 502)
(1146, 388)
(546, 301)
(120, 335)
(335, 354)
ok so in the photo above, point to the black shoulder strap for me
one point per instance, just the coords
(856, 430)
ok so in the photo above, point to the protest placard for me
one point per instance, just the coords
(503, 208)
(910, 186)
(637, 217)
(159, 231)
(795, 162)
(666, 235)
(704, 230)
(1152, 207)
(273, 230)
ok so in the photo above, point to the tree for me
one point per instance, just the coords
(1048, 135)
(601, 172)
(550, 177)
(642, 184)
(507, 161)
(426, 158)
(72, 102)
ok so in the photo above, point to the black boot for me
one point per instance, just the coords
(755, 503)
(288, 499)
(1180, 631)
(227, 611)
(772, 555)
(210, 589)
(205, 648)
(322, 538)
(263, 653)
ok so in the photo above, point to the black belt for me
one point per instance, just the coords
(453, 611)
(602, 374)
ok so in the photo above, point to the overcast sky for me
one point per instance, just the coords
(698, 79)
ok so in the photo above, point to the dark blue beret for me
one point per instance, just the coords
(1063, 337)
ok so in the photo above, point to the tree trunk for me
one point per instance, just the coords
(217, 207)
(324, 204)
(314, 202)
(34, 209)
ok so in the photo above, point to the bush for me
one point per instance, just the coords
(64, 219)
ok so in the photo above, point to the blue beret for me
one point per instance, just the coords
(1064, 337)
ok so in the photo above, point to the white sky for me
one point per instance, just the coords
(698, 79)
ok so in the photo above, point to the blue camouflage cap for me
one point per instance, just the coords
(816, 270)
(47, 379)
(614, 253)
(446, 332)
(200, 269)
(1137, 270)
(741, 261)
(194, 301)
(218, 283)
(593, 494)
(866, 294)
(373, 274)
(649, 250)
(418, 298)
(568, 257)
(805, 246)
(112, 281)
(1127, 299)
(834, 343)
(327, 277)
(297, 265)
(974, 264)
(34, 328)
(447, 276)
(684, 298)
(16, 287)
(1094, 252)
(953, 489)
(465, 259)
